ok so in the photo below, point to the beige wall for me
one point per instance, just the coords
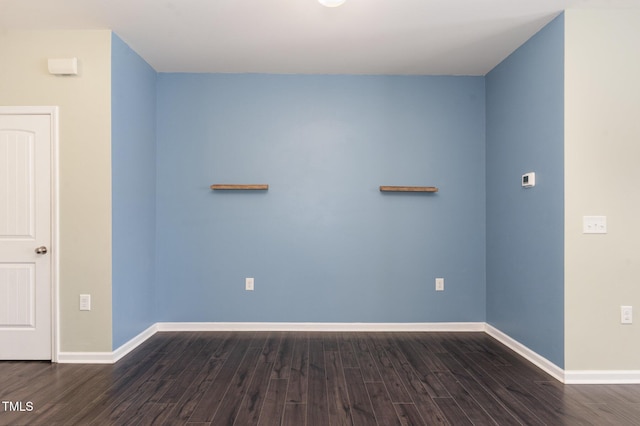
(602, 177)
(85, 166)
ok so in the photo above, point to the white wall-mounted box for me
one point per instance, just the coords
(529, 180)
(63, 66)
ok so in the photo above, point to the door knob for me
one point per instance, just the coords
(41, 250)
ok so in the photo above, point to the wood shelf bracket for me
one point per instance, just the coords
(408, 189)
(241, 187)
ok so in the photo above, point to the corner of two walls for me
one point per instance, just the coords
(565, 105)
(133, 150)
(525, 133)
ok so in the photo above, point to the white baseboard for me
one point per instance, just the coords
(107, 357)
(85, 358)
(116, 355)
(134, 343)
(602, 377)
(568, 377)
(531, 356)
(322, 326)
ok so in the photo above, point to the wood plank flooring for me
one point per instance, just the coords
(298, 379)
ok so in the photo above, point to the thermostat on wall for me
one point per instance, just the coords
(529, 180)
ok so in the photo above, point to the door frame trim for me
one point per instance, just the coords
(53, 113)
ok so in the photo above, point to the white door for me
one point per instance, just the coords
(25, 236)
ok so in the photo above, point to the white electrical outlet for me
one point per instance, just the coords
(248, 284)
(85, 302)
(626, 314)
(439, 284)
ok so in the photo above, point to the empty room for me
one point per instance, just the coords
(319, 212)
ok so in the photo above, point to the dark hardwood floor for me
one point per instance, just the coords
(292, 378)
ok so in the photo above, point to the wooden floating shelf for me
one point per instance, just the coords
(235, 187)
(408, 189)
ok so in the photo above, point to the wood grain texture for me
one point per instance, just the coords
(408, 188)
(305, 378)
(239, 187)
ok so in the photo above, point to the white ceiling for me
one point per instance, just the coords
(435, 37)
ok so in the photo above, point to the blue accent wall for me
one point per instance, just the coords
(133, 112)
(323, 243)
(525, 227)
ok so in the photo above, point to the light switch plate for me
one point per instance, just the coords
(594, 224)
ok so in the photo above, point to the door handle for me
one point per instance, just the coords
(41, 250)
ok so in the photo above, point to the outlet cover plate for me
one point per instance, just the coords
(85, 302)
